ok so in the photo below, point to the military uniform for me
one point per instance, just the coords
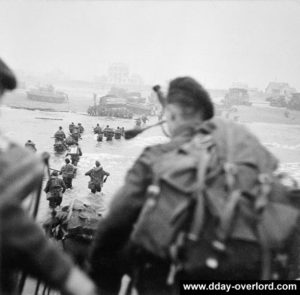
(118, 133)
(110, 259)
(76, 156)
(30, 145)
(55, 188)
(97, 129)
(68, 172)
(71, 127)
(59, 135)
(97, 177)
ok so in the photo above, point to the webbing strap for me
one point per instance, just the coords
(203, 144)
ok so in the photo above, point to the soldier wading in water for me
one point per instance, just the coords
(23, 245)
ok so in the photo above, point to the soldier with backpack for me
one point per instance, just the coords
(97, 179)
(207, 205)
(75, 225)
(54, 189)
(75, 153)
(68, 172)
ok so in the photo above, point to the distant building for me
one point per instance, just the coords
(118, 74)
(279, 88)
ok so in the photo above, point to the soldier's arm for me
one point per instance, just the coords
(46, 189)
(114, 229)
(63, 185)
(62, 170)
(88, 173)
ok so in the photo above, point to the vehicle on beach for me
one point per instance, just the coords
(237, 96)
(112, 105)
(47, 94)
(294, 102)
(279, 101)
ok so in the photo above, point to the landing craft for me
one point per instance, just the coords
(47, 94)
(124, 106)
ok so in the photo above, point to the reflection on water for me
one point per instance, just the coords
(117, 156)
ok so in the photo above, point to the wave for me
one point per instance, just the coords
(282, 146)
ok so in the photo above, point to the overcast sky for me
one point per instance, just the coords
(217, 42)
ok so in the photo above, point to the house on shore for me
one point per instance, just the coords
(279, 89)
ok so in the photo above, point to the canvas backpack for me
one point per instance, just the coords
(215, 204)
(82, 221)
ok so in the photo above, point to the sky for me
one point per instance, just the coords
(216, 42)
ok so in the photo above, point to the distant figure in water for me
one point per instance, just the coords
(138, 123)
(145, 119)
(30, 145)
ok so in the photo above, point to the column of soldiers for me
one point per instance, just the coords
(205, 206)
(56, 187)
(108, 133)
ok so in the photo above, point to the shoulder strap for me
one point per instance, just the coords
(202, 144)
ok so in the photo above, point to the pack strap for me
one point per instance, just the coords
(199, 212)
(201, 144)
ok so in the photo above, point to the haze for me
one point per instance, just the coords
(217, 42)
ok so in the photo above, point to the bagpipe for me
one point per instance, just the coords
(129, 134)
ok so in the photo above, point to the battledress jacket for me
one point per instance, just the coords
(109, 259)
(23, 246)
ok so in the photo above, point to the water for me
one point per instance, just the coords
(117, 156)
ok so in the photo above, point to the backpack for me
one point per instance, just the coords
(69, 170)
(55, 189)
(82, 221)
(216, 206)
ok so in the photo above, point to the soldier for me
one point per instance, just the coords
(76, 133)
(59, 134)
(168, 222)
(70, 140)
(68, 172)
(97, 129)
(71, 127)
(144, 119)
(110, 134)
(55, 189)
(118, 133)
(106, 130)
(30, 145)
(138, 123)
(97, 175)
(75, 153)
(23, 245)
(80, 127)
